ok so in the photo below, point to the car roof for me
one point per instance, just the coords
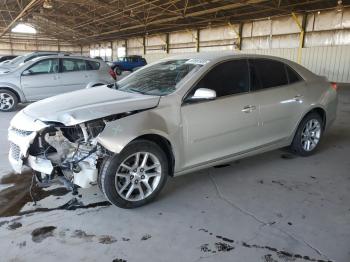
(60, 56)
(49, 52)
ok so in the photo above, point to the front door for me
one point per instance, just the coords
(219, 128)
(41, 80)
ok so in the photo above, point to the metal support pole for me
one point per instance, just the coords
(112, 51)
(167, 43)
(198, 40)
(144, 45)
(238, 34)
(239, 45)
(301, 26)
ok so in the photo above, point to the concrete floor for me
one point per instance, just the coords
(271, 207)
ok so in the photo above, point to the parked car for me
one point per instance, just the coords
(47, 76)
(7, 58)
(171, 118)
(20, 60)
(128, 63)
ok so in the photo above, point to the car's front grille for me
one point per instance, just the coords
(15, 151)
(21, 132)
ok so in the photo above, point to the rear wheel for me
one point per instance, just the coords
(308, 135)
(135, 176)
(8, 100)
(117, 70)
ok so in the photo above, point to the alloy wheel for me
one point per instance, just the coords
(311, 135)
(6, 101)
(138, 176)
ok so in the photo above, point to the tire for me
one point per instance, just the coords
(8, 100)
(117, 70)
(129, 189)
(310, 129)
(102, 166)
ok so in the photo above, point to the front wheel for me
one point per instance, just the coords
(8, 100)
(308, 135)
(134, 177)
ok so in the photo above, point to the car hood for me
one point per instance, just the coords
(88, 104)
(4, 68)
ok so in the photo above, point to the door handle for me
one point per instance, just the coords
(298, 98)
(248, 109)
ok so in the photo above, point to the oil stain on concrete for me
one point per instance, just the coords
(41, 233)
(14, 197)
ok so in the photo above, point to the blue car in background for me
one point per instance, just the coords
(128, 63)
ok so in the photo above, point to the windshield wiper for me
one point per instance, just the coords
(114, 85)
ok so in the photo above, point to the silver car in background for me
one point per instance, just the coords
(171, 118)
(46, 76)
(9, 65)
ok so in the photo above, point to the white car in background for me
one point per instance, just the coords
(47, 76)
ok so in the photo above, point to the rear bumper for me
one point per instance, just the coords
(331, 112)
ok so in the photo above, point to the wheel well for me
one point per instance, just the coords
(98, 84)
(165, 145)
(13, 91)
(321, 113)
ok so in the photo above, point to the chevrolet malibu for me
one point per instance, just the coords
(171, 118)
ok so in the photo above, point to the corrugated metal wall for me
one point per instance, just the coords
(326, 51)
(329, 61)
(327, 41)
(22, 44)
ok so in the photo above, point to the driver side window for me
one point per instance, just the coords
(47, 66)
(227, 78)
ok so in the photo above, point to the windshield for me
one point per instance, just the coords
(159, 79)
(16, 60)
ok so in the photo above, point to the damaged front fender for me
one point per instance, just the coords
(118, 134)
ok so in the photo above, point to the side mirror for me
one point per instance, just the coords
(26, 72)
(203, 94)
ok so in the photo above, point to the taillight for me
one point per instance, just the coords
(112, 73)
(334, 86)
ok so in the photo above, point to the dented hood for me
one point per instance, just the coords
(88, 104)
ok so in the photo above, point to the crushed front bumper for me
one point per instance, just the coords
(21, 134)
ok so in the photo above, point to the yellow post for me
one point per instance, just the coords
(237, 34)
(301, 37)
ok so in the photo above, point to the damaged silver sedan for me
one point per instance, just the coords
(171, 118)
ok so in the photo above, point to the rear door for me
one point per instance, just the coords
(279, 97)
(40, 80)
(74, 74)
(225, 126)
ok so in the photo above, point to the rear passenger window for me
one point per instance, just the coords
(293, 77)
(92, 65)
(267, 73)
(227, 78)
(73, 65)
